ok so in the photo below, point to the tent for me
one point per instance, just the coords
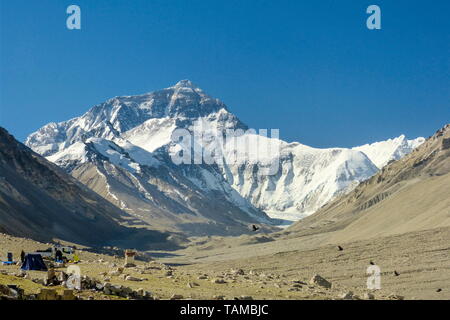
(33, 262)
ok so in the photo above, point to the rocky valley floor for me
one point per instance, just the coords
(413, 266)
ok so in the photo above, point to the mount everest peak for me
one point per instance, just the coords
(121, 149)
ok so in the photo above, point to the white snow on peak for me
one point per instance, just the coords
(381, 153)
(152, 134)
(120, 152)
(131, 131)
(185, 84)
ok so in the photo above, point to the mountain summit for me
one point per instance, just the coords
(121, 149)
(186, 84)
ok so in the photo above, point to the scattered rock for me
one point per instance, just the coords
(318, 280)
(192, 284)
(299, 282)
(47, 294)
(68, 295)
(39, 281)
(131, 278)
(347, 296)
(168, 273)
(176, 297)
(396, 297)
(369, 296)
(11, 292)
(218, 280)
(129, 265)
(238, 272)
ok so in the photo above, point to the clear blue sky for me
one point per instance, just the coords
(310, 68)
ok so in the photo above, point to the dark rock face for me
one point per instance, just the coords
(445, 144)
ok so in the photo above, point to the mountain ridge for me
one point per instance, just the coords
(39, 200)
(407, 195)
(307, 178)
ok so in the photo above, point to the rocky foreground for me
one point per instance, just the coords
(113, 285)
(104, 277)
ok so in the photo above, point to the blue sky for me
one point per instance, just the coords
(310, 68)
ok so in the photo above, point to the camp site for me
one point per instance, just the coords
(37, 271)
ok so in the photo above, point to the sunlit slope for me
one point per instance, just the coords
(407, 195)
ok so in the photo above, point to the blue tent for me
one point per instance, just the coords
(33, 262)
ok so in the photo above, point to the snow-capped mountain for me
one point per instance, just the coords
(120, 150)
(124, 148)
(307, 179)
(157, 113)
(381, 153)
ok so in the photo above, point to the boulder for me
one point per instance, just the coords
(369, 296)
(141, 293)
(192, 285)
(396, 297)
(47, 294)
(11, 292)
(68, 295)
(238, 272)
(131, 278)
(319, 281)
(129, 265)
(347, 296)
(219, 281)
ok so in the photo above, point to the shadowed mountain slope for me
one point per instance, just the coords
(39, 200)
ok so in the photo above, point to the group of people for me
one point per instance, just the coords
(58, 256)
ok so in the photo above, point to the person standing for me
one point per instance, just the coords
(58, 255)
